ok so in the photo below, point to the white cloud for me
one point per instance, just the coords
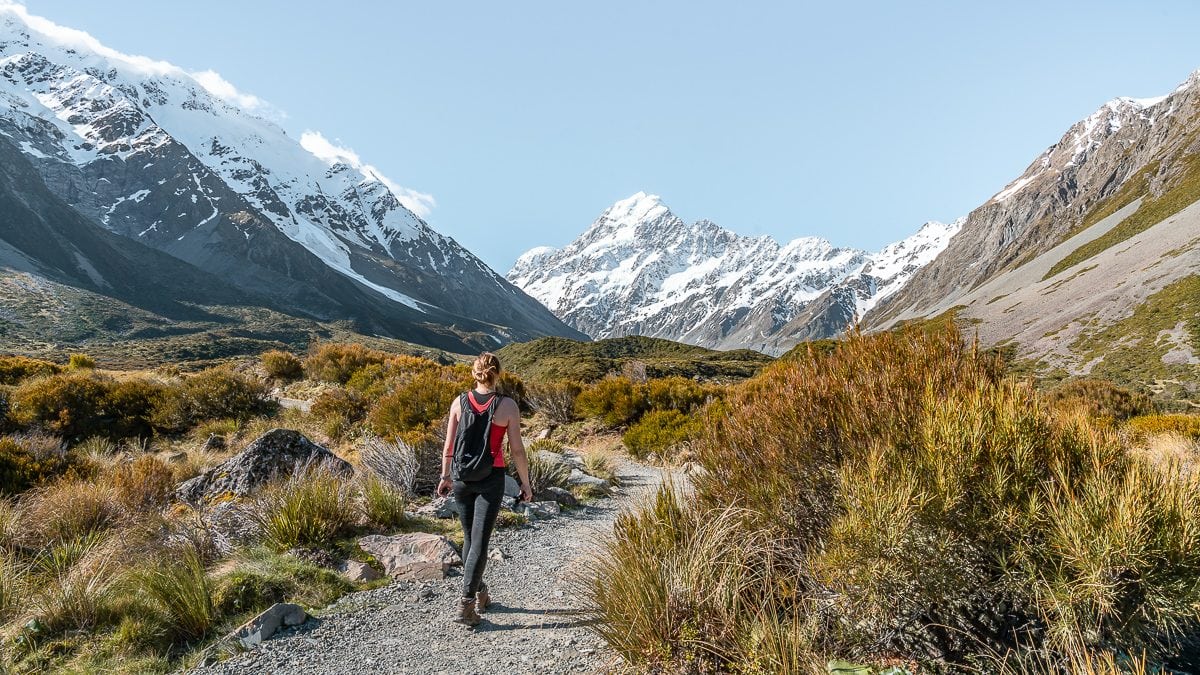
(224, 90)
(83, 41)
(331, 153)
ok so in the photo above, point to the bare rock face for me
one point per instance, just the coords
(276, 454)
(417, 555)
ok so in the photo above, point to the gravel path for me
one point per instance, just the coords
(533, 626)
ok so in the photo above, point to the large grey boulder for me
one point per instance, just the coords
(417, 555)
(279, 453)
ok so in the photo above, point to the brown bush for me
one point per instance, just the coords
(30, 460)
(282, 365)
(15, 369)
(418, 404)
(145, 484)
(337, 363)
(554, 399)
(339, 410)
(81, 362)
(213, 394)
(1101, 399)
(69, 405)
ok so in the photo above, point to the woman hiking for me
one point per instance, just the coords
(473, 469)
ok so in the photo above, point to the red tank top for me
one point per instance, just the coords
(496, 433)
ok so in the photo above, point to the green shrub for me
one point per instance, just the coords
(242, 591)
(419, 404)
(15, 369)
(339, 410)
(1101, 399)
(213, 394)
(81, 362)
(178, 584)
(69, 405)
(282, 365)
(509, 384)
(305, 511)
(1184, 425)
(128, 409)
(679, 393)
(617, 401)
(27, 462)
(337, 363)
(661, 433)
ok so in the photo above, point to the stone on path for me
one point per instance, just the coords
(417, 555)
(358, 572)
(263, 626)
(580, 478)
(279, 453)
(511, 487)
(540, 509)
(440, 507)
(554, 493)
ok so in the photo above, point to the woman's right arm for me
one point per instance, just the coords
(444, 482)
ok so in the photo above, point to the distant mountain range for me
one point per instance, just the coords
(1088, 264)
(641, 270)
(137, 177)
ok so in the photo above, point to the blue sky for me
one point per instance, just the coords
(854, 121)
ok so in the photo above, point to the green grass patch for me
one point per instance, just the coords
(555, 358)
(1131, 350)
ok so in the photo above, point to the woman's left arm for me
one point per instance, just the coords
(516, 448)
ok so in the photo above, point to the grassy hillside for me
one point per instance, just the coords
(46, 319)
(1154, 349)
(560, 358)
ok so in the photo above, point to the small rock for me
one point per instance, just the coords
(263, 626)
(543, 434)
(358, 572)
(214, 443)
(580, 478)
(417, 555)
(314, 556)
(511, 487)
(560, 495)
(541, 509)
(440, 507)
(509, 503)
(497, 555)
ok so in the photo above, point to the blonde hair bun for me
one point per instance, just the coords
(486, 369)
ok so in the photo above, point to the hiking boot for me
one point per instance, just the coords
(482, 599)
(466, 612)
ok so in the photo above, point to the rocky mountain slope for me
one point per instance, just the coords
(1086, 263)
(146, 151)
(641, 270)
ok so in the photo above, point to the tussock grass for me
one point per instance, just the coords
(917, 503)
(308, 510)
(178, 584)
(545, 473)
(381, 503)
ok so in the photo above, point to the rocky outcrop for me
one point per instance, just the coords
(279, 453)
(417, 555)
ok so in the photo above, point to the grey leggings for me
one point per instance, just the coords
(478, 505)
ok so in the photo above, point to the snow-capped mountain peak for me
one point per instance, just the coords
(640, 269)
(186, 163)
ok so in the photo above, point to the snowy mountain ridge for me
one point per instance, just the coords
(181, 162)
(641, 270)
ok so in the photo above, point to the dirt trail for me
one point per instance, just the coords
(534, 626)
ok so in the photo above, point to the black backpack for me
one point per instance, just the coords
(472, 456)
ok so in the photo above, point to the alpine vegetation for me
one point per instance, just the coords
(898, 499)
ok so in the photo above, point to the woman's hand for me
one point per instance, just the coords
(444, 487)
(526, 493)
